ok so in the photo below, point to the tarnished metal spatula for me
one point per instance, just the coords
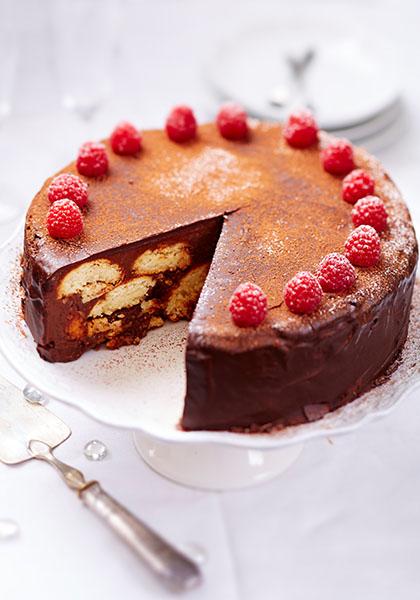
(29, 430)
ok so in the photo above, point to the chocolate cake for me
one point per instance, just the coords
(171, 232)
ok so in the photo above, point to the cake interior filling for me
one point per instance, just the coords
(115, 300)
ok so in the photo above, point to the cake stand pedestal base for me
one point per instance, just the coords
(214, 466)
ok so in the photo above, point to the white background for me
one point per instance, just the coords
(344, 521)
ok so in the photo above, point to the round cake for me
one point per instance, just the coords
(172, 229)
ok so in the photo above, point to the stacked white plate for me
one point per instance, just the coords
(351, 83)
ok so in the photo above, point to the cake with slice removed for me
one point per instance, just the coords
(171, 230)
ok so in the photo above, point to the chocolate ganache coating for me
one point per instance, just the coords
(259, 211)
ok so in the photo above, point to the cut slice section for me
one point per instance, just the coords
(117, 299)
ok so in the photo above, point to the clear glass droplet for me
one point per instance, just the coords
(196, 552)
(8, 529)
(95, 450)
(32, 394)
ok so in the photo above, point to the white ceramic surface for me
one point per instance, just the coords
(142, 387)
(249, 66)
(200, 466)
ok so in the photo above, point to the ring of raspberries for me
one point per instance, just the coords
(336, 272)
(303, 293)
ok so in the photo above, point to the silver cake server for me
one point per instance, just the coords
(29, 430)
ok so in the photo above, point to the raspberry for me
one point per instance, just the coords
(248, 305)
(125, 139)
(64, 219)
(356, 185)
(68, 186)
(370, 211)
(92, 160)
(363, 247)
(336, 273)
(303, 293)
(232, 122)
(337, 157)
(300, 130)
(181, 125)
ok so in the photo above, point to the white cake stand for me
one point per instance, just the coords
(141, 388)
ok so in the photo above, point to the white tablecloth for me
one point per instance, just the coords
(343, 522)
